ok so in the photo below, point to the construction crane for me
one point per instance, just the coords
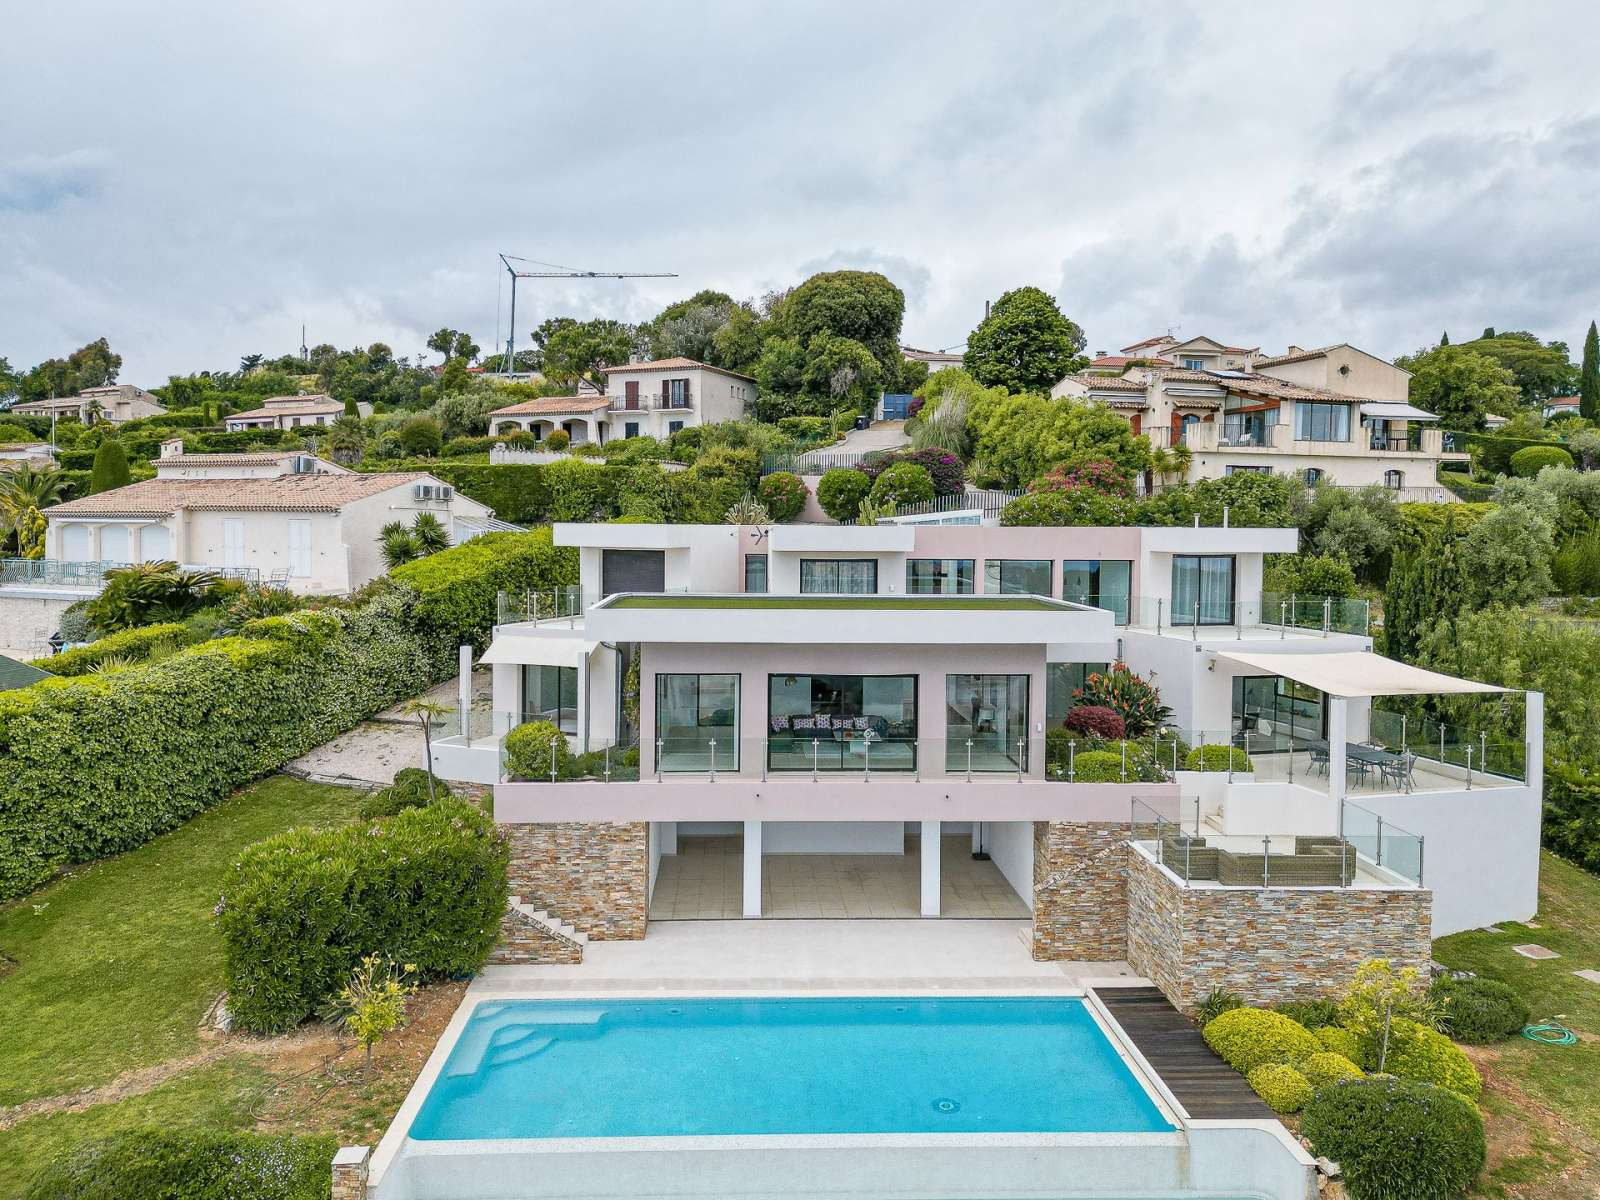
(555, 271)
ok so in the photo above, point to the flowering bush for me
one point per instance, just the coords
(784, 495)
(1098, 474)
(1097, 721)
(945, 469)
(1130, 696)
(841, 491)
(1245, 1038)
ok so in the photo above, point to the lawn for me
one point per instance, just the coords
(855, 603)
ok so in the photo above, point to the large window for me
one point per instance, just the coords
(842, 722)
(1101, 582)
(551, 694)
(1321, 421)
(1273, 712)
(1017, 576)
(938, 576)
(986, 722)
(755, 572)
(1061, 680)
(1202, 589)
(854, 576)
(692, 712)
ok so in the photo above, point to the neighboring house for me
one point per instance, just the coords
(937, 360)
(283, 517)
(654, 399)
(291, 412)
(1336, 414)
(1561, 406)
(114, 404)
(29, 454)
(849, 690)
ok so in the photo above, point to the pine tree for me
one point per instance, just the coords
(110, 467)
(1589, 376)
(1444, 338)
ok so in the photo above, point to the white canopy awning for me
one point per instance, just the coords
(538, 651)
(1395, 410)
(1357, 673)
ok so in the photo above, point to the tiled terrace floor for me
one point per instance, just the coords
(705, 880)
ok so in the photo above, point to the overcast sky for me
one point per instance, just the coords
(194, 181)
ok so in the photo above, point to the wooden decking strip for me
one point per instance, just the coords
(1208, 1088)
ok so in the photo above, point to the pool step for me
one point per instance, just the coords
(554, 924)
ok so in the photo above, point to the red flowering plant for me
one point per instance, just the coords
(1130, 696)
(1096, 721)
(1097, 475)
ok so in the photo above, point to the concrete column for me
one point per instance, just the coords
(1533, 740)
(464, 692)
(752, 868)
(1338, 723)
(977, 836)
(930, 868)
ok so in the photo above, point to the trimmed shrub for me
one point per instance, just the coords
(1215, 758)
(1130, 696)
(841, 491)
(1082, 506)
(1284, 1089)
(1480, 1010)
(901, 484)
(529, 749)
(784, 495)
(1313, 1014)
(300, 910)
(190, 1164)
(457, 588)
(1530, 460)
(557, 439)
(1098, 766)
(812, 429)
(945, 469)
(1395, 1140)
(1097, 721)
(1339, 1041)
(421, 437)
(1327, 1068)
(409, 790)
(1245, 1038)
(1427, 1056)
(133, 645)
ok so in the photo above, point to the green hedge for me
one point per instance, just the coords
(1395, 1140)
(579, 490)
(170, 1164)
(99, 764)
(132, 644)
(1465, 487)
(426, 889)
(1530, 460)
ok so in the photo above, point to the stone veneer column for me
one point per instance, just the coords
(1079, 891)
(350, 1166)
(594, 875)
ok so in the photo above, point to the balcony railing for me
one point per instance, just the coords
(655, 402)
(1409, 442)
(1325, 615)
(56, 572)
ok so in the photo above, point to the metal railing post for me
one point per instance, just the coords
(1421, 839)
(1469, 766)
(1266, 858)
(815, 747)
(1159, 603)
(1402, 733)
(1124, 760)
(1283, 624)
(969, 760)
(1327, 615)
(1378, 851)
(1072, 762)
(553, 759)
(1483, 751)
(608, 764)
(1022, 747)
(866, 758)
(1194, 626)
(1197, 816)
(713, 763)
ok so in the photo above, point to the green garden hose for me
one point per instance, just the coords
(1550, 1033)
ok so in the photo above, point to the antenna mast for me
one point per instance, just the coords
(555, 272)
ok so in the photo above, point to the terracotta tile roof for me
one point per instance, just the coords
(1186, 375)
(260, 458)
(1109, 383)
(1123, 360)
(1298, 356)
(283, 493)
(1149, 342)
(289, 406)
(552, 406)
(1563, 402)
(1127, 402)
(673, 364)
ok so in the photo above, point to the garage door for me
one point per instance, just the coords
(633, 571)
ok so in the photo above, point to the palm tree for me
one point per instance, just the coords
(398, 544)
(431, 534)
(425, 711)
(93, 411)
(25, 491)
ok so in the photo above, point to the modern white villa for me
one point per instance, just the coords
(1334, 415)
(642, 399)
(796, 695)
(279, 516)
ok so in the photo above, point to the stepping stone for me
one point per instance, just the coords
(1530, 950)
(1590, 976)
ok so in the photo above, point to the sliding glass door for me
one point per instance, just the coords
(692, 713)
(986, 719)
(1202, 589)
(842, 722)
(1100, 582)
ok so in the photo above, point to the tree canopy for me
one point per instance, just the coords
(581, 349)
(1540, 370)
(1460, 386)
(1021, 437)
(860, 305)
(93, 365)
(1025, 344)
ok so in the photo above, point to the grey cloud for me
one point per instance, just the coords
(37, 183)
(1410, 84)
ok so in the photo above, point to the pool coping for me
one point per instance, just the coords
(396, 1138)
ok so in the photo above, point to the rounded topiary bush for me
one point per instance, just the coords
(1480, 1010)
(409, 790)
(1326, 1069)
(1340, 1041)
(1395, 1140)
(1284, 1089)
(1247, 1037)
(1530, 460)
(557, 439)
(841, 491)
(1215, 758)
(1097, 721)
(1097, 766)
(1427, 1056)
(783, 495)
(530, 748)
(903, 483)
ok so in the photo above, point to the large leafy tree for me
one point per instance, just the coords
(581, 349)
(443, 342)
(8, 379)
(93, 365)
(1541, 370)
(1022, 437)
(1025, 344)
(860, 305)
(688, 329)
(1461, 386)
(1589, 376)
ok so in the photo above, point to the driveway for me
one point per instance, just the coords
(881, 435)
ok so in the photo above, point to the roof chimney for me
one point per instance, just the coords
(1296, 350)
(172, 447)
(1100, 353)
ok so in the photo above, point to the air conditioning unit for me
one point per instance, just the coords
(433, 491)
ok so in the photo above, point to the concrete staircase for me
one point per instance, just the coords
(555, 926)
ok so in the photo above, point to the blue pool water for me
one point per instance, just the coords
(629, 1068)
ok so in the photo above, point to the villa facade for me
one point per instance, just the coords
(291, 412)
(804, 693)
(1335, 415)
(114, 403)
(644, 399)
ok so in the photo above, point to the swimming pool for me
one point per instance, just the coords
(819, 1065)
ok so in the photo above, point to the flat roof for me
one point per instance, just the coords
(985, 603)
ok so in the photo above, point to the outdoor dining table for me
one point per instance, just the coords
(1364, 757)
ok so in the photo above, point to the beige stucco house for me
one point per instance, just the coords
(291, 412)
(281, 516)
(646, 399)
(114, 404)
(1333, 415)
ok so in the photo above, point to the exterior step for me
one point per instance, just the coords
(554, 924)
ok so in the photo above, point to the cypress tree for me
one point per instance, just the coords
(351, 409)
(1444, 338)
(110, 467)
(1488, 333)
(1589, 376)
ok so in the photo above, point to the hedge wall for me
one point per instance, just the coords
(578, 490)
(131, 644)
(190, 1164)
(99, 764)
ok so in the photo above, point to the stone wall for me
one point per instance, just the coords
(1265, 944)
(1080, 909)
(526, 941)
(593, 875)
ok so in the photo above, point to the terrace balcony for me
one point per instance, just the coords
(674, 402)
(1274, 617)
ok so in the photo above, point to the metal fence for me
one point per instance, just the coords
(989, 502)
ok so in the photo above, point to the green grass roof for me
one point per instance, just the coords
(978, 603)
